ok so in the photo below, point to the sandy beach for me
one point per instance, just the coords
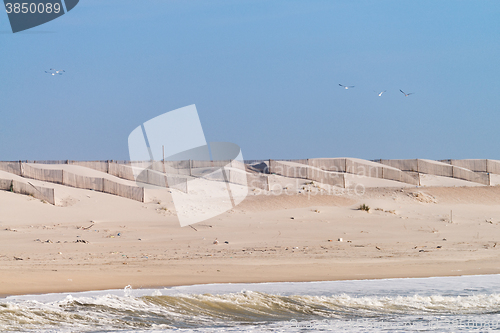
(93, 241)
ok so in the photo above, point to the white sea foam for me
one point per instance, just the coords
(270, 307)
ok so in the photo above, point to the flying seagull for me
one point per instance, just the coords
(379, 93)
(346, 87)
(55, 71)
(406, 95)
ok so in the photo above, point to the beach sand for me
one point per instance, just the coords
(93, 241)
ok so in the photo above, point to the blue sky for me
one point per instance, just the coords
(263, 75)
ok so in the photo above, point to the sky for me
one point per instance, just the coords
(263, 74)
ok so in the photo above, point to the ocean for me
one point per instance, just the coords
(439, 304)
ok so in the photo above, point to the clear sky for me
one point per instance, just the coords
(263, 75)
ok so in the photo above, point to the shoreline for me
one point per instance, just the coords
(349, 272)
(42, 293)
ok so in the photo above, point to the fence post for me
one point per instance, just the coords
(190, 171)
(143, 194)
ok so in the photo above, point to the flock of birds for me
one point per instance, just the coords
(378, 93)
(53, 71)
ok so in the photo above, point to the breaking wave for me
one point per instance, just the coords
(160, 312)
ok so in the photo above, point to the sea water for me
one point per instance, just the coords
(440, 304)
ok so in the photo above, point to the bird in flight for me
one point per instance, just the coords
(345, 87)
(53, 71)
(406, 95)
(379, 93)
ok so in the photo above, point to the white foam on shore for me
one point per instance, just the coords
(232, 305)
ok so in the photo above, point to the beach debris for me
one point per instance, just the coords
(48, 241)
(422, 197)
(317, 211)
(193, 228)
(292, 218)
(438, 247)
(9, 229)
(162, 208)
(330, 240)
(444, 239)
(393, 211)
(59, 252)
(82, 241)
(378, 248)
(18, 258)
(340, 240)
(226, 242)
(421, 250)
(87, 228)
